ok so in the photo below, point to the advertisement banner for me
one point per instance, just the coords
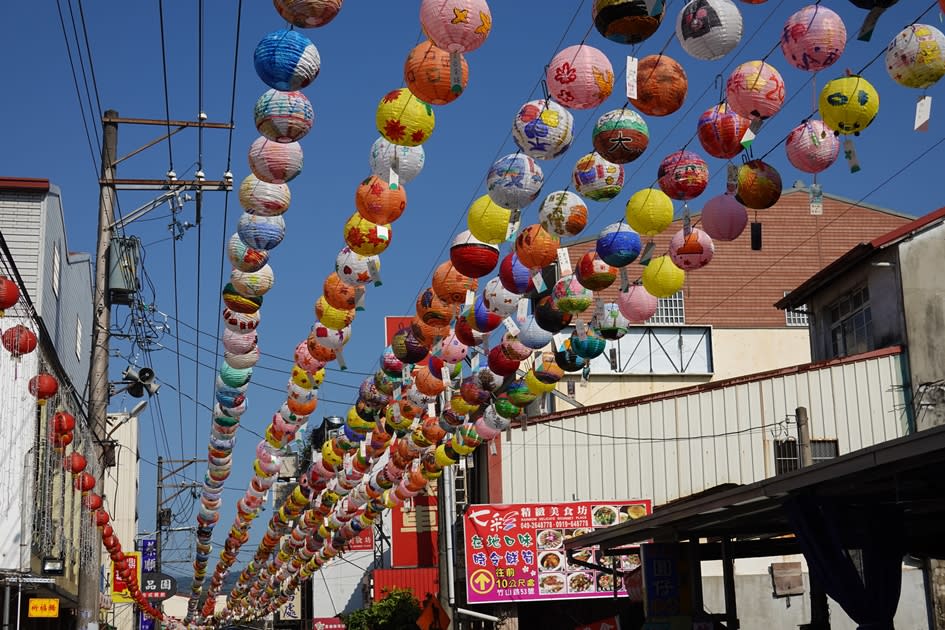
(43, 607)
(414, 532)
(516, 552)
(148, 549)
(120, 592)
(364, 541)
(327, 623)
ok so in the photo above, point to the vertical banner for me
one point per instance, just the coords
(414, 532)
(148, 549)
(120, 592)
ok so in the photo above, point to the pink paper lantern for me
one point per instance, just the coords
(580, 77)
(692, 251)
(683, 175)
(755, 90)
(275, 162)
(723, 218)
(812, 147)
(813, 38)
(456, 26)
(637, 305)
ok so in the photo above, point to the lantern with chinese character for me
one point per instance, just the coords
(915, 58)
(43, 386)
(662, 278)
(618, 245)
(488, 221)
(759, 185)
(621, 136)
(535, 247)
(366, 238)
(683, 175)
(596, 178)
(404, 119)
(275, 162)
(661, 85)
(283, 116)
(19, 340)
(471, 256)
(9, 294)
(405, 162)
(580, 77)
(286, 60)
(594, 273)
(563, 213)
(450, 285)
(691, 251)
(427, 74)
(627, 21)
(456, 25)
(514, 181)
(709, 29)
(308, 13)
(720, 131)
(543, 129)
(812, 147)
(649, 211)
(813, 38)
(723, 217)
(755, 89)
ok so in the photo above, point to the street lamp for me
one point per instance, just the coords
(54, 565)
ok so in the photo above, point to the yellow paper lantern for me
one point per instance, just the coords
(442, 458)
(404, 119)
(536, 386)
(649, 211)
(331, 317)
(662, 278)
(848, 104)
(487, 221)
(366, 238)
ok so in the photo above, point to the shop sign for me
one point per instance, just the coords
(43, 607)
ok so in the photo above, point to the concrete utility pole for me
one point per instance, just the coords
(819, 609)
(803, 438)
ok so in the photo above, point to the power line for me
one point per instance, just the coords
(78, 93)
(167, 102)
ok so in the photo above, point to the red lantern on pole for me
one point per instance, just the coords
(9, 294)
(92, 501)
(63, 422)
(61, 440)
(19, 340)
(84, 482)
(74, 463)
(106, 529)
(110, 542)
(44, 386)
(101, 521)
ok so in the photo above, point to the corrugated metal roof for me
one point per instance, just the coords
(421, 581)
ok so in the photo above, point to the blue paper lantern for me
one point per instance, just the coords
(261, 232)
(618, 245)
(533, 336)
(283, 116)
(286, 60)
(515, 276)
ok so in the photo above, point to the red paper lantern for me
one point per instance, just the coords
(63, 422)
(500, 363)
(106, 529)
(92, 501)
(19, 340)
(61, 440)
(110, 542)
(9, 294)
(84, 482)
(43, 386)
(74, 463)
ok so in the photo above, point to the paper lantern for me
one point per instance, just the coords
(812, 147)
(500, 363)
(427, 382)
(450, 285)
(465, 333)
(915, 58)
(239, 342)
(244, 257)
(723, 217)
(549, 316)
(499, 300)
(470, 256)
(263, 198)
(627, 21)
(432, 310)
(848, 104)
(649, 211)
(456, 25)
(253, 283)
(488, 222)
(332, 317)
(275, 162)
(261, 232)
(514, 181)
(308, 13)
(720, 131)
(515, 276)
(563, 214)
(661, 85)
(709, 29)
(611, 324)
(594, 273)
(570, 297)
(580, 77)
(482, 319)
(366, 238)
(621, 136)
(43, 386)
(74, 463)
(567, 359)
(63, 422)
(406, 162)
(19, 340)
(683, 175)
(519, 394)
(84, 482)
(452, 350)
(662, 278)
(286, 60)
(535, 247)
(404, 119)
(596, 178)
(235, 377)
(755, 89)
(338, 293)
(759, 185)
(380, 202)
(355, 269)
(590, 346)
(427, 74)
(331, 338)
(532, 335)
(9, 294)
(813, 38)
(283, 116)
(692, 251)
(513, 348)
(543, 129)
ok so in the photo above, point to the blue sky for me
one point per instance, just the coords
(362, 54)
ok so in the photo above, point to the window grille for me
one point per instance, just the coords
(796, 317)
(56, 264)
(78, 337)
(787, 455)
(851, 323)
(671, 310)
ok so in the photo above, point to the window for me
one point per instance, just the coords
(56, 264)
(671, 310)
(78, 337)
(851, 323)
(787, 456)
(797, 316)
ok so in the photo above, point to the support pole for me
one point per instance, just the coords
(728, 580)
(157, 525)
(803, 437)
(819, 609)
(6, 607)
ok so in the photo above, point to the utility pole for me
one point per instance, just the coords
(803, 438)
(819, 610)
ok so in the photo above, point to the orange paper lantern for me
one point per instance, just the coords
(661, 85)
(380, 202)
(536, 247)
(427, 74)
(450, 285)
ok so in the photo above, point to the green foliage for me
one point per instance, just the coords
(397, 611)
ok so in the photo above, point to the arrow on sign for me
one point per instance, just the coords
(482, 580)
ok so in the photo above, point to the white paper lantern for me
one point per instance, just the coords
(514, 181)
(263, 198)
(709, 29)
(253, 283)
(407, 161)
(499, 300)
(275, 162)
(543, 129)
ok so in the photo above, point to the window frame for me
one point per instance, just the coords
(670, 311)
(57, 269)
(784, 463)
(843, 315)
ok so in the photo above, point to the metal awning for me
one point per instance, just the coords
(908, 472)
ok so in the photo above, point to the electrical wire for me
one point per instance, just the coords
(78, 92)
(167, 101)
(85, 79)
(200, 116)
(88, 54)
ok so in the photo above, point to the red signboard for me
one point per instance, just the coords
(364, 541)
(611, 623)
(516, 552)
(394, 324)
(414, 532)
(327, 623)
(420, 582)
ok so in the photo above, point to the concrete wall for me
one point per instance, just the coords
(336, 588)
